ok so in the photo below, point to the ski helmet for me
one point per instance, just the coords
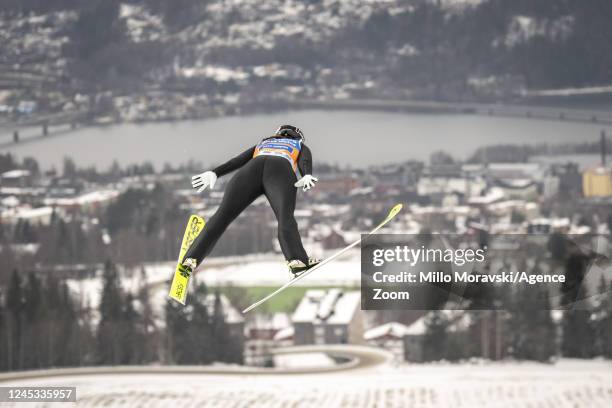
(290, 131)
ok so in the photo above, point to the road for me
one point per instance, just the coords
(357, 358)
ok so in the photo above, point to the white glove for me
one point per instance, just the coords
(307, 182)
(201, 181)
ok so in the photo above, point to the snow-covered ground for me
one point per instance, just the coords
(567, 383)
(303, 360)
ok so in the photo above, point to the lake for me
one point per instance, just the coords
(343, 137)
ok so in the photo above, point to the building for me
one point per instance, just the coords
(36, 216)
(91, 202)
(414, 334)
(548, 225)
(389, 336)
(515, 171)
(338, 185)
(506, 208)
(264, 332)
(517, 188)
(333, 240)
(570, 180)
(413, 341)
(551, 185)
(439, 181)
(328, 317)
(597, 182)
(405, 174)
(16, 178)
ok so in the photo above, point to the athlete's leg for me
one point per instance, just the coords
(278, 179)
(242, 189)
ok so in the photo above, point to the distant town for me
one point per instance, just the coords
(115, 233)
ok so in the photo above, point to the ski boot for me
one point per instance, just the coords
(188, 266)
(297, 267)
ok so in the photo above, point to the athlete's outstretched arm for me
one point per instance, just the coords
(209, 178)
(235, 163)
(305, 167)
(305, 161)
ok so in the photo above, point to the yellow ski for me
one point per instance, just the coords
(180, 281)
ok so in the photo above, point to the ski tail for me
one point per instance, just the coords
(392, 213)
(181, 278)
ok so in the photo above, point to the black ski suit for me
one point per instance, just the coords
(269, 175)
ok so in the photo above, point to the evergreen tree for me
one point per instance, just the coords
(31, 164)
(33, 298)
(33, 313)
(3, 332)
(606, 332)
(70, 349)
(218, 327)
(70, 168)
(203, 341)
(228, 349)
(533, 330)
(557, 246)
(436, 336)
(602, 324)
(548, 331)
(14, 306)
(86, 335)
(97, 26)
(24, 233)
(149, 331)
(127, 210)
(177, 333)
(574, 270)
(198, 334)
(7, 162)
(109, 334)
(578, 336)
(43, 329)
(52, 329)
(131, 333)
(225, 347)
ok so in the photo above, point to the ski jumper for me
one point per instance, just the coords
(269, 168)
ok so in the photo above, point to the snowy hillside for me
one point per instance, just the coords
(228, 53)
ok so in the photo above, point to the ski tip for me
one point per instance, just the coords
(397, 208)
(254, 305)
